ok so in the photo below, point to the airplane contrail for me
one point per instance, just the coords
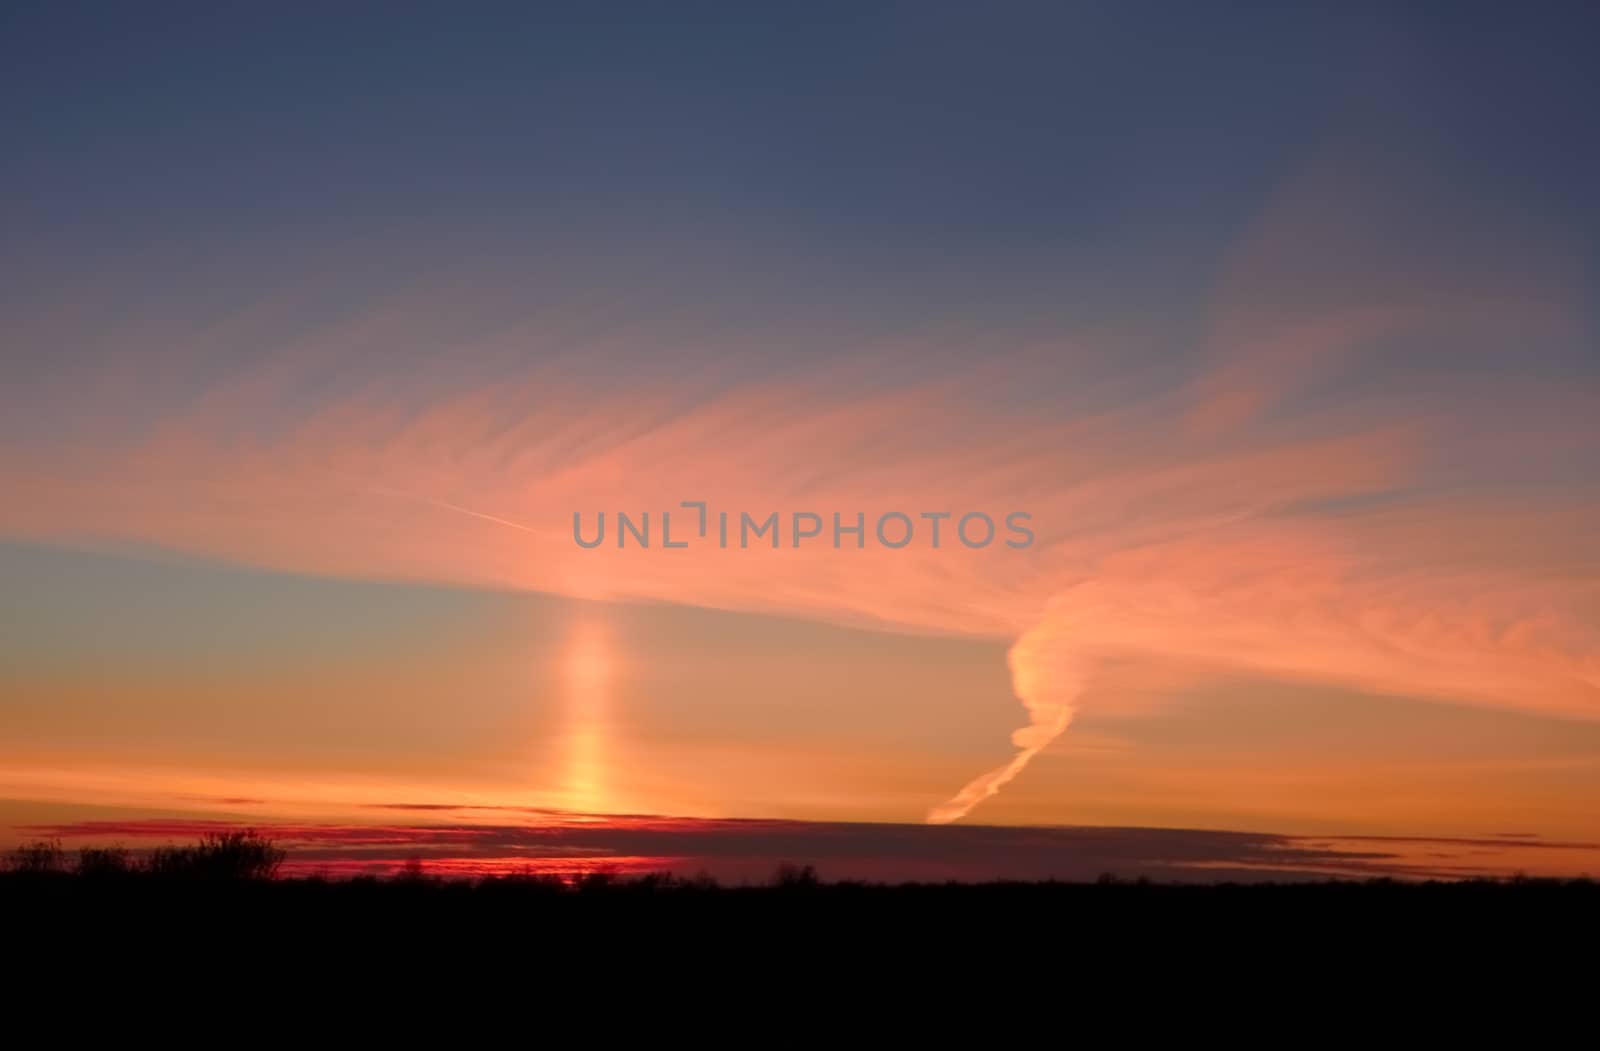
(447, 506)
(1047, 678)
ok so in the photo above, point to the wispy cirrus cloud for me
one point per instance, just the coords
(1309, 491)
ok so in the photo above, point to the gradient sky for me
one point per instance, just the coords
(319, 326)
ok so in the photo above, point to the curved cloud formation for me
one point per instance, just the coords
(1364, 465)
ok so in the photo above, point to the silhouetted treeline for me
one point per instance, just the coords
(247, 857)
(217, 900)
(1134, 951)
(242, 854)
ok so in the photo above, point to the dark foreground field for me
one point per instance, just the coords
(1333, 907)
(1108, 949)
(667, 930)
(222, 893)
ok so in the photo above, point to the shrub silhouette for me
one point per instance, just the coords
(243, 855)
(413, 871)
(596, 882)
(101, 862)
(795, 877)
(39, 858)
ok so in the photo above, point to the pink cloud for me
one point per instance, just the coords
(1399, 542)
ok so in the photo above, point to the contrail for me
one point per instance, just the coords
(1047, 678)
(446, 505)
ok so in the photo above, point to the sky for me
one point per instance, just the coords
(1276, 323)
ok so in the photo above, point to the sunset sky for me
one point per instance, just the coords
(319, 325)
